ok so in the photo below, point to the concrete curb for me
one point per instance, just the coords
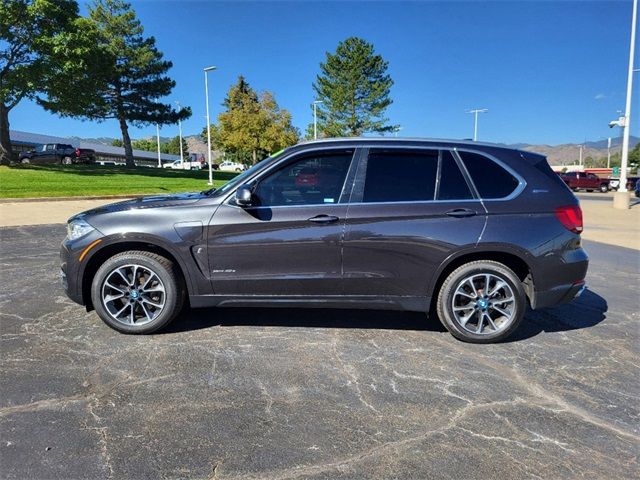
(67, 199)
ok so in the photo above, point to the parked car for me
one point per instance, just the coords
(229, 166)
(585, 181)
(614, 183)
(58, 153)
(471, 232)
(186, 165)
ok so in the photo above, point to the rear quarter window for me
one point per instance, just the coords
(491, 180)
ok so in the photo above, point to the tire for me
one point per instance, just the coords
(67, 161)
(238, 170)
(575, 189)
(165, 289)
(589, 190)
(457, 281)
(604, 188)
(25, 161)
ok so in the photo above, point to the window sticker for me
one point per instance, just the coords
(329, 200)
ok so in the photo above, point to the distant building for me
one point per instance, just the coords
(24, 141)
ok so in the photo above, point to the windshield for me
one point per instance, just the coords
(239, 180)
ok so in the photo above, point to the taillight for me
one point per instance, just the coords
(571, 217)
(77, 152)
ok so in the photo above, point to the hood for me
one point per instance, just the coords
(154, 201)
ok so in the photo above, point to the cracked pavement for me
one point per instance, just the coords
(291, 394)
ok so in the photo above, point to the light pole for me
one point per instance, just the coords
(621, 197)
(475, 112)
(315, 118)
(180, 132)
(206, 96)
(158, 142)
(396, 130)
(580, 161)
(609, 152)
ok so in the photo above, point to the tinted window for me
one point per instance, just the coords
(491, 180)
(400, 176)
(452, 185)
(312, 180)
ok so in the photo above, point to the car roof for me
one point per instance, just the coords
(417, 141)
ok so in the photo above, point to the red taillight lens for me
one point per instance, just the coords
(77, 152)
(571, 217)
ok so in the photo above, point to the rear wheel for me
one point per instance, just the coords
(137, 292)
(604, 188)
(67, 161)
(481, 302)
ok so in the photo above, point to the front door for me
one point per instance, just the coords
(288, 243)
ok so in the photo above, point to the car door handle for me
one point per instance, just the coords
(461, 213)
(324, 219)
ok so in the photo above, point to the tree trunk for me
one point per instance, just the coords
(6, 155)
(255, 156)
(126, 143)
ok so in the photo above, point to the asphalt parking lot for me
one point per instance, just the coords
(287, 394)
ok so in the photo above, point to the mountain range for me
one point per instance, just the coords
(563, 154)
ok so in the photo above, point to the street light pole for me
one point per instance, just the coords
(180, 133)
(621, 197)
(158, 142)
(609, 152)
(476, 111)
(315, 119)
(206, 95)
(580, 161)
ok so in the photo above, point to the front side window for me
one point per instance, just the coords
(491, 180)
(311, 180)
(401, 176)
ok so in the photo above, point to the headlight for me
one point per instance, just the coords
(78, 228)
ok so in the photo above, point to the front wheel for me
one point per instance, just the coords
(67, 161)
(481, 302)
(604, 188)
(137, 292)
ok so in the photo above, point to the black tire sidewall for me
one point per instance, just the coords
(173, 293)
(445, 296)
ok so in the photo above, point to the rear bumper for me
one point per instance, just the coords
(557, 295)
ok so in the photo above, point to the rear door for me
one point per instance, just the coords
(410, 209)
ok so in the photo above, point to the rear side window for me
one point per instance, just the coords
(490, 179)
(401, 176)
(452, 184)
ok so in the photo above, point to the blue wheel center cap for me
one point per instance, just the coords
(134, 294)
(482, 303)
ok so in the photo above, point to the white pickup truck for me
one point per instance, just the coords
(186, 165)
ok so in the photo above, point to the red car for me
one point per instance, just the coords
(585, 181)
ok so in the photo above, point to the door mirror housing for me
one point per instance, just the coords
(244, 196)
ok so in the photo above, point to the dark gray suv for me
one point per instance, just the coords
(468, 231)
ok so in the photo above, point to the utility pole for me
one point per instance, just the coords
(621, 197)
(396, 130)
(315, 118)
(609, 152)
(180, 133)
(475, 121)
(206, 96)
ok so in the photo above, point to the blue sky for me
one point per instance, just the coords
(549, 72)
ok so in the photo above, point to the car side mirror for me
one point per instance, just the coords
(244, 196)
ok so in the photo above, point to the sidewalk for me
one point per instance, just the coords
(601, 222)
(40, 213)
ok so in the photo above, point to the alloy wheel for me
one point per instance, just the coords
(483, 304)
(133, 294)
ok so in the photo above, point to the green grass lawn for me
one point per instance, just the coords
(31, 181)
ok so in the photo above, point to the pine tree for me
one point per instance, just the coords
(354, 88)
(131, 79)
